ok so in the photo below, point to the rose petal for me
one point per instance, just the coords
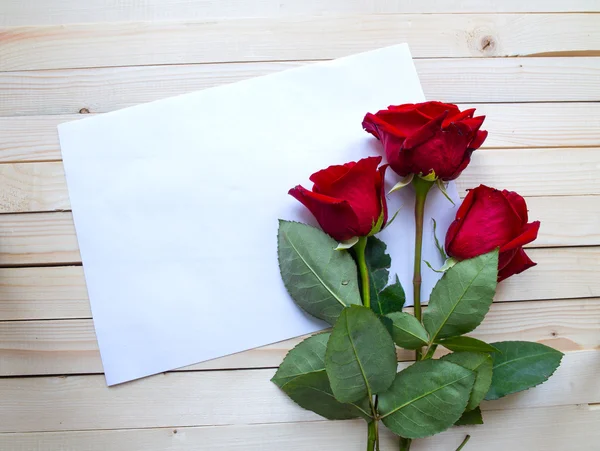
(518, 204)
(434, 109)
(519, 263)
(326, 177)
(467, 114)
(335, 216)
(480, 137)
(426, 132)
(529, 233)
(489, 223)
(360, 187)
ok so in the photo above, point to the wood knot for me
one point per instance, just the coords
(487, 44)
(84, 111)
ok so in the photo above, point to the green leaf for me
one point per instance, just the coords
(461, 298)
(481, 365)
(426, 398)
(466, 344)
(306, 357)
(361, 357)
(312, 391)
(521, 365)
(390, 299)
(384, 299)
(407, 331)
(320, 279)
(470, 417)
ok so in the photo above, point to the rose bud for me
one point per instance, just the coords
(347, 200)
(487, 219)
(432, 139)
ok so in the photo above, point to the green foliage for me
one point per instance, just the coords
(302, 377)
(470, 417)
(307, 357)
(384, 299)
(320, 279)
(312, 391)
(481, 365)
(521, 365)
(407, 332)
(426, 398)
(462, 297)
(360, 358)
(466, 344)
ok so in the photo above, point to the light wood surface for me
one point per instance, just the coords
(472, 80)
(532, 428)
(61, 60)
(69, 346)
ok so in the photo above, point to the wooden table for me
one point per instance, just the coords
(61, 59)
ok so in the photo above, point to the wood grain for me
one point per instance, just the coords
(39, 187)
(211, 398)
(47, 12)
(34, 138)
(49, 238)
(69, 346)
(480, 80)
(549, 428)
(294, 38)
(60, 292)
(43, 293)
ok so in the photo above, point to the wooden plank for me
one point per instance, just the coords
(37, 187)
(60, 292)
(34, 138)
(212, 398)
(38, 239)
(57, 12)
(49, 238)
(29, 187)
(510, 125)
(69, 346)
(480, 80)
(43, 293)
(295, 38)
(549, 428)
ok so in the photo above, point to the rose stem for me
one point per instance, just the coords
(405, 444)
(359, 248)
(372, 437)
(421, 189)
(464, 442)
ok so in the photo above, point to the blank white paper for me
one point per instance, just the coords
(176, 204)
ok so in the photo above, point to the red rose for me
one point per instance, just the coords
(487, 219)
(347, 200)
(427, 137)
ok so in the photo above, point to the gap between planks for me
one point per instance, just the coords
(483, 80)
(221, 398)
(295, 38)
(62, 347)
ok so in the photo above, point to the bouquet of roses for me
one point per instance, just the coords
(340, 275)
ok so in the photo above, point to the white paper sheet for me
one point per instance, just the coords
(176, 205)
